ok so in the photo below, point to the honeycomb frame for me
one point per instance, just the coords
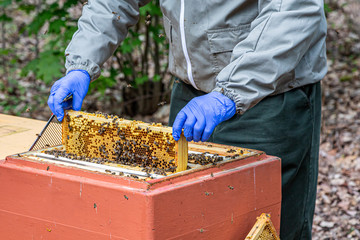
(263, 229)
(123, 141)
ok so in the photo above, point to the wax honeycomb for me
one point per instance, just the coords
(134, 143)
(263, 229)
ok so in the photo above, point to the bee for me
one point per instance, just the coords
(161, 35)
(48, 167)
(129, 86)
(95, 206)
(231, 151)
(113, 12)
(161, 103)
(101, 131)
(27, 110)
(126, 197)
(118, 18)
(231, 187)
(147, 22)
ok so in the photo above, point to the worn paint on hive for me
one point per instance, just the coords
(97, 135)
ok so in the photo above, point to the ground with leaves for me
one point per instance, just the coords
(337, 214)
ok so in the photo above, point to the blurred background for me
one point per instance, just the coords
(135, 84)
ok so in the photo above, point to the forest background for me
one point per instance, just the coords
(135, 84)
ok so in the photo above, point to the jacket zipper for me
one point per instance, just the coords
(183, 44)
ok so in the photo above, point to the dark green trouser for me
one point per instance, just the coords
(286, 125)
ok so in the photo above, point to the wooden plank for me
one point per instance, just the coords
(220, 149)
(17, 134)
(181, 154)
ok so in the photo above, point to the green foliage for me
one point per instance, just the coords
(5, 3)
(102, 83)
(327, 8)
(47, 66)
(53, 25)
(346, 78)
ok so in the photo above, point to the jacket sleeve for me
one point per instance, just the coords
(102, 27)
(265, 62)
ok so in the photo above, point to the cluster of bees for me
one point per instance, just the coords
(204, 158)
(106, 138)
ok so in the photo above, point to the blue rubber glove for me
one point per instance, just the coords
(201, 115)
(76, 82)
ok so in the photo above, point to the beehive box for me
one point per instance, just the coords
(112, 139)
(45, 195)
(43, 200)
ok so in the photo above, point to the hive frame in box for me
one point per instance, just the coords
(208, 202)
(228, 154)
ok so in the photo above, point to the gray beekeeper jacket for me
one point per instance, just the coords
(245, 49)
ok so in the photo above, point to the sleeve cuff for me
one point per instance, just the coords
(74, 62)
(240, 109)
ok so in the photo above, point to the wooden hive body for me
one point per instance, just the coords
(122, 141)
